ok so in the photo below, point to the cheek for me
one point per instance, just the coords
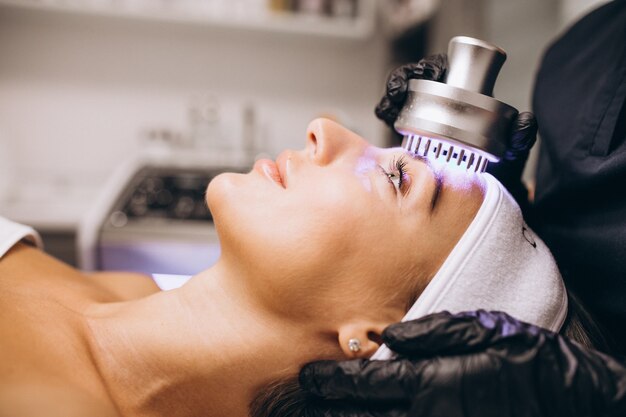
(292, 229)
(316, 248)
(288, 246)
(314, 226)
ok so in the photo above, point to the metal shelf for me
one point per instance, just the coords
(360, 27)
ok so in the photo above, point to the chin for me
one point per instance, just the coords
(227, 199)
(239, 205)
(222, 194)
(234, 199)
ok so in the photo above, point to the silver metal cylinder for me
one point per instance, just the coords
(461, 110)
(473, 64)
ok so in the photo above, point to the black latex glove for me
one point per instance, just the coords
(477, 364)
(431, 68)
(509, 170)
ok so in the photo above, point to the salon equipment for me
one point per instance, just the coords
(152, 218)
(458, 121)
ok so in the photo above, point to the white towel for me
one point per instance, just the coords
(11, 233)
(498, 264)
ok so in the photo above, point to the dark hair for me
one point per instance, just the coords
(582, 328)
(285, 398)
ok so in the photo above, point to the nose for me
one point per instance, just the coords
(328, 141)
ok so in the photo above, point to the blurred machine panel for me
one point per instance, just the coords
(152, 219)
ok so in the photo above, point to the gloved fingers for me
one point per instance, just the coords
(356, 409)
(398, 81)
(431, 387)
(476, 384)
(433, 67)
(443, 333)
(364, 380)
(523, 137)
(387, 111)
(510, 168)
(430, 68)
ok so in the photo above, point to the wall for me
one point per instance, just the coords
(77, 92)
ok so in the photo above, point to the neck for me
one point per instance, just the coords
(204, 349)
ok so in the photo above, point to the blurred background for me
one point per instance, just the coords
(114, 114)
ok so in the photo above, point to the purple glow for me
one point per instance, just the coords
(162, 257)
(447, 153)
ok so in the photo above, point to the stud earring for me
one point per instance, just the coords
(354, 345)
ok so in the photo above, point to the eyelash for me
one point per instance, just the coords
(396, 169)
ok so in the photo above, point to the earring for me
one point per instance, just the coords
(354, 345)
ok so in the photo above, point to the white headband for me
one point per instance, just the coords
(498, 264)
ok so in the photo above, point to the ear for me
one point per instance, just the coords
(367, 333)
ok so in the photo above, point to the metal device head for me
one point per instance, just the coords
(458, 121)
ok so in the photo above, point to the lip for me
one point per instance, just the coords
(269, 169)
(281, 164)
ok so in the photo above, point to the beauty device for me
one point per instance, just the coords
(457, 121)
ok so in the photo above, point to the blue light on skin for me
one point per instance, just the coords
(440, 164)
(455, 175)
(365, 165)
(448, 152)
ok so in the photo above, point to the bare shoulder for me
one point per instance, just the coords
(25, 266)
(46, 369)
(51, 399)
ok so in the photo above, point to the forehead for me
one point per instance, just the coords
(457, 176)
(399, 151)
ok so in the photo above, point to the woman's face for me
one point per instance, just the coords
(340, 227)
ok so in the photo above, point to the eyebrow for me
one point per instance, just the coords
(437, 192)
(438, 180)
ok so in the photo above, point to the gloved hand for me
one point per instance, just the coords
(476, 364)
(431, 68)
(509, 170)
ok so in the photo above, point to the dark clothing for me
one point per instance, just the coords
(580, 201)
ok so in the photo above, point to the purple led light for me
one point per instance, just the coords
(451, 154)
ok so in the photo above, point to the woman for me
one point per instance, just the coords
(320, 252)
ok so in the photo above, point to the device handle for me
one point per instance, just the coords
(474, 64)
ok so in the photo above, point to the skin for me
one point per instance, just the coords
(317, 249)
